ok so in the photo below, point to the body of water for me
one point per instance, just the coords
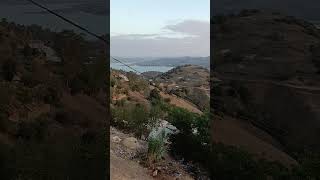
(141, 69)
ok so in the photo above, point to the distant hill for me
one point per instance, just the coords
(151, 74)
(177, 61)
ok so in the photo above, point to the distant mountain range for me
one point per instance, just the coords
(168, 61)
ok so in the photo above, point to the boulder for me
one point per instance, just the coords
(131, 143)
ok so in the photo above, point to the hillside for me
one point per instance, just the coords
(128, 86)
(190, 82)
(49, 107)
(267, 78)
(139, 107)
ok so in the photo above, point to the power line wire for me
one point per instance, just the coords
(80, 27)
(84, 29)
(127, 66)
(67, 20)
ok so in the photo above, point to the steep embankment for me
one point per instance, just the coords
(267, 76)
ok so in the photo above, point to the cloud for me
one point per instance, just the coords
(187, 38)
(191, 27)
(135, 36)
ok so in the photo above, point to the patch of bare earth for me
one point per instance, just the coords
(122, 169)
(179, 102)
(235, 132)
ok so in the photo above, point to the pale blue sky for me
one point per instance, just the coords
(160, 28)
(150, 16)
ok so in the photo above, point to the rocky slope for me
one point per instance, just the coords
(266, 74)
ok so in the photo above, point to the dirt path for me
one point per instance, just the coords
(121, 169)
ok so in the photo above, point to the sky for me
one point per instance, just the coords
(160, 28)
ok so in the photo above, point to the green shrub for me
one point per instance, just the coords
(139, 120)
(156, 148)
(136, 83)
(154, 95)
(136, 118)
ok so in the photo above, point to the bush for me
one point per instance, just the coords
(136, 83)
(50, 92)
(139, 120)
(136, 118)
(156, 148)
(154, 95)
(35, 130)
(167, 100)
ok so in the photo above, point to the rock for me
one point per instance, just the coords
(131, 143)
(116, 139)
(155, 173)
